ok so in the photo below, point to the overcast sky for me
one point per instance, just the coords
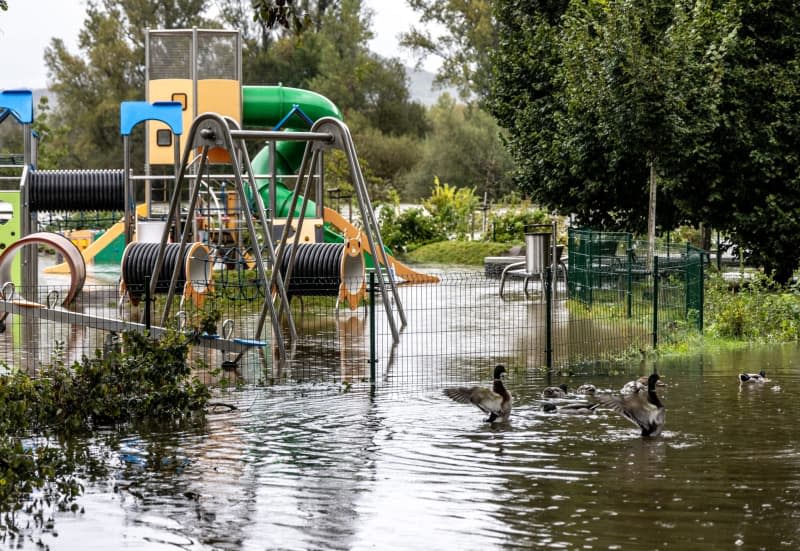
(28, 25)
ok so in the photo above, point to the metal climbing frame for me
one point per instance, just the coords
(332, 133)
(211, 130)
(208, 131)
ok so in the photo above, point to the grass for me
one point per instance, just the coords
(470, 253)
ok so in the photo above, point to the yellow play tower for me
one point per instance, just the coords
(199, 68)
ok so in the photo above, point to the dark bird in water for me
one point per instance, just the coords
(642, 408)
(570, 407)
(750, 378)
(587, 388)
(495, 401)
(559, 391)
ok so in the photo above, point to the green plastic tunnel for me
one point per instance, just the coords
(266, 106)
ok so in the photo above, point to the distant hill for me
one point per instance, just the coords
(421, 88)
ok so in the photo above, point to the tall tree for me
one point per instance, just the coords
(464, 149)
(469, 35)
(358, 80)
(756, 197)
(600, 98)
(280, 39)
(641, 83)
(108, 69)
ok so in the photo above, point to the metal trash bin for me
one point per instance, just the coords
(538, 248)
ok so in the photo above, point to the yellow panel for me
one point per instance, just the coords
(223, 97)
(178, 89)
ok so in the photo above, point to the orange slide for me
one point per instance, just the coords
(349, 231)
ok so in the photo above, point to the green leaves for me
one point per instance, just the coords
(151, 381)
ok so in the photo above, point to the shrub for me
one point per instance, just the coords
(408, 230)
(509, 225)
(756, 310)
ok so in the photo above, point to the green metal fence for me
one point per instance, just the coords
(613, 304)
(611, 273)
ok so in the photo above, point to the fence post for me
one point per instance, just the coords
(548, 319)
(372, 330)
(702, 285)
(147, 300)
(629, 298)
(686, 281)
(590, 269)
(655, 302)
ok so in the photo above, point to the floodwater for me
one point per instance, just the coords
(312, 467)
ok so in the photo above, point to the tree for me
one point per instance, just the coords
(108, 70)
(464, 147)
(756, 196)
(591, 92)
(274, 52)
(599, 99)
(470, 35)
(641, 83)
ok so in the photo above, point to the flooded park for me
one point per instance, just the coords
(316, 457)
(310, 467)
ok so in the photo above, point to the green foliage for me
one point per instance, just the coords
(756, 310)
(464, 253)
(594, 94)
(464, 147)
(509, 225)
(149, 381)
(108, 69)
(468, 36)
(451, 208)
(408, 230)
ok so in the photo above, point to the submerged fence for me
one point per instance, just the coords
(612, 304)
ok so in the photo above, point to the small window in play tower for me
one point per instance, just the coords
(180, 97)
(163, 137)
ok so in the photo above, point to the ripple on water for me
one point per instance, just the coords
(320, 469)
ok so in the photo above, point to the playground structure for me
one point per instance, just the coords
(206, 208)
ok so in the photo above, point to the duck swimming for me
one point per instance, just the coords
(750, 378)
(587, 388)
(571, 407)
(641, 408)
(559, 391)
(495, 401)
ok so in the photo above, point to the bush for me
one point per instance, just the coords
(756, 310)
(149, 381)
(408, 230)
(509, 225)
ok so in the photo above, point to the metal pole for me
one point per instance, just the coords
(373, 359)
(655, 302)
(629, 298)
(147, 302)
(686, 280)
(128, 208)
(548, 319)
(702, 284)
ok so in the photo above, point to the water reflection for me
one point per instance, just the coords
(312, 467)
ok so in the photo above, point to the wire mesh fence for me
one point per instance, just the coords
(455, 330)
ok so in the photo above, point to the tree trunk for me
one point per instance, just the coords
(651, 213)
